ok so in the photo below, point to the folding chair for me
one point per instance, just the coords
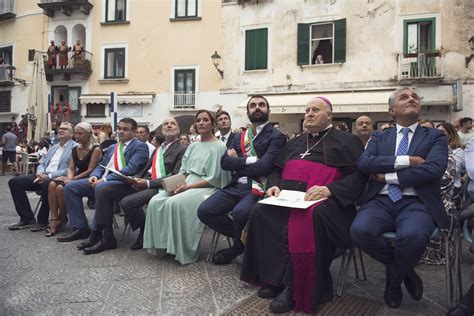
(343, 270)
(214, 243)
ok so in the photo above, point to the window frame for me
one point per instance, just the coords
(8, 95)
(417, 21)
(322, 38)
(10, 48)
(114, 49)
(186, 16)
(115, 13)
(103, 114)
(255, 57)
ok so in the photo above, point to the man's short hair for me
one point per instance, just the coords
(70, 125)
(258, 96)
(130, 121)
(465, 120)
(220, 113)
(147, 130)
(393, 96)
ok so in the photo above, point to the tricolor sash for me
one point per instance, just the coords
(158, 165)
(246, 146)
(119, 158)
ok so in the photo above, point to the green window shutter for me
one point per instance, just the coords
(256, 49)
(302, 57)
(340, 41)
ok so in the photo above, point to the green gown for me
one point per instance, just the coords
(171, 221)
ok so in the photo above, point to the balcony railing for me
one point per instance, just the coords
(79, 64)
(5, 78)
(184, 100)
(421, 66)
(7, 9)
(65, 6)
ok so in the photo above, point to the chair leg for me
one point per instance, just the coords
(449, 280)
(457, 259)
(211, 248)
(362, 266)
(345, 263)
(125, 233)
(354, 259)
(38, 205)
(114, 222)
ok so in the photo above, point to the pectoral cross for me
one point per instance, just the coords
(306, 153)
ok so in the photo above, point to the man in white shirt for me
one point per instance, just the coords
(224, 126)
(55, 165)
(143, 134)
(465, 132)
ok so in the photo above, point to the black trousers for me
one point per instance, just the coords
(18, 187)
(132, 206)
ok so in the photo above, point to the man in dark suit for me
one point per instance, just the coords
(128, 156)
(406, 164)
(224, 125)
(250, 158)
(55, 165)
(134, 196)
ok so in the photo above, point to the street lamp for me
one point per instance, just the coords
(10, 71)
(215, 60)
(471, 44)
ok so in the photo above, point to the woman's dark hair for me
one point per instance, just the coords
(210, 114)
(453, 137)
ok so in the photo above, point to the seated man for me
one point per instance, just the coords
(54, 165)
(250, 157)
(128, 157)
(290, 250)
(406, 164)
(165, 160)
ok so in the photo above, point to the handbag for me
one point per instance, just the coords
(171, 183)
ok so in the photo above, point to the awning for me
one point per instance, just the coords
(122, 98)
(343, 102)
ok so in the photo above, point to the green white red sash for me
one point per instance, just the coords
(158, 165)
(119, 158)
(246, 146)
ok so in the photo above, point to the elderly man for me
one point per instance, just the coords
(290, 250)
(250, 158)
(364, 128)
(406, 164)
(128, 157)
(55, 165)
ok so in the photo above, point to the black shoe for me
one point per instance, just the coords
(393, 294)
(38, 227)
(269, 291)
(22, 225)
(459, 310)
(139, 243)
(225, 256)
(93, 238)
(414, 285)
(283, 302)
(102, 245)
(76, 234)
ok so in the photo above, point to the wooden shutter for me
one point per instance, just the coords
(303, 44)
(256, 49)
(340, 41)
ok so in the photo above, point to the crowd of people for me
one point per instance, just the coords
(405, 179)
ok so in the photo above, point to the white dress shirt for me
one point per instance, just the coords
(401, 162)
(54, 162)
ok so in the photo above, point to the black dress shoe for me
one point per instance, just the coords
(89, 242)
(76, 234)
(139, 243)
(225, 256)
(283, 302)
(269, 291)
(393, 294)
(414, 285)
(102, 245)
(459, 310)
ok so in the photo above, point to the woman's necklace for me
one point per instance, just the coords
(306, 153)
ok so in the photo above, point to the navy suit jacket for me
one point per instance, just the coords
(427, 143)
(267, 144)
(229, 143)
(136, 156)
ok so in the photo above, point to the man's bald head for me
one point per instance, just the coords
(364, 128)
(170, 129)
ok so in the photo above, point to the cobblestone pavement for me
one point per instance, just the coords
(41, 276)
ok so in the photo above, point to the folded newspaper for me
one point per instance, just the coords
(290, 198)
(117, 173)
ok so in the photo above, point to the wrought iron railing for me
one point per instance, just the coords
(421, 66)
(184, 100)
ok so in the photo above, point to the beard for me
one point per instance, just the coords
(262, 118)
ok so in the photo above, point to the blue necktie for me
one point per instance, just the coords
(394, 192)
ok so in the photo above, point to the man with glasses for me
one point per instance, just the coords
(54, 165)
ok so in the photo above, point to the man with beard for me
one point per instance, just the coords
(288, 251)
(250, 158)
(364, 128)
(164, 161)
(224, 124)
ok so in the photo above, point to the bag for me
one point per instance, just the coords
(171, 183)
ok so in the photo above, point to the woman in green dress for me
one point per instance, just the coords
(171, 221)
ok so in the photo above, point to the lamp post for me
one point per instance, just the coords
(215, 60)
(471, 44)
